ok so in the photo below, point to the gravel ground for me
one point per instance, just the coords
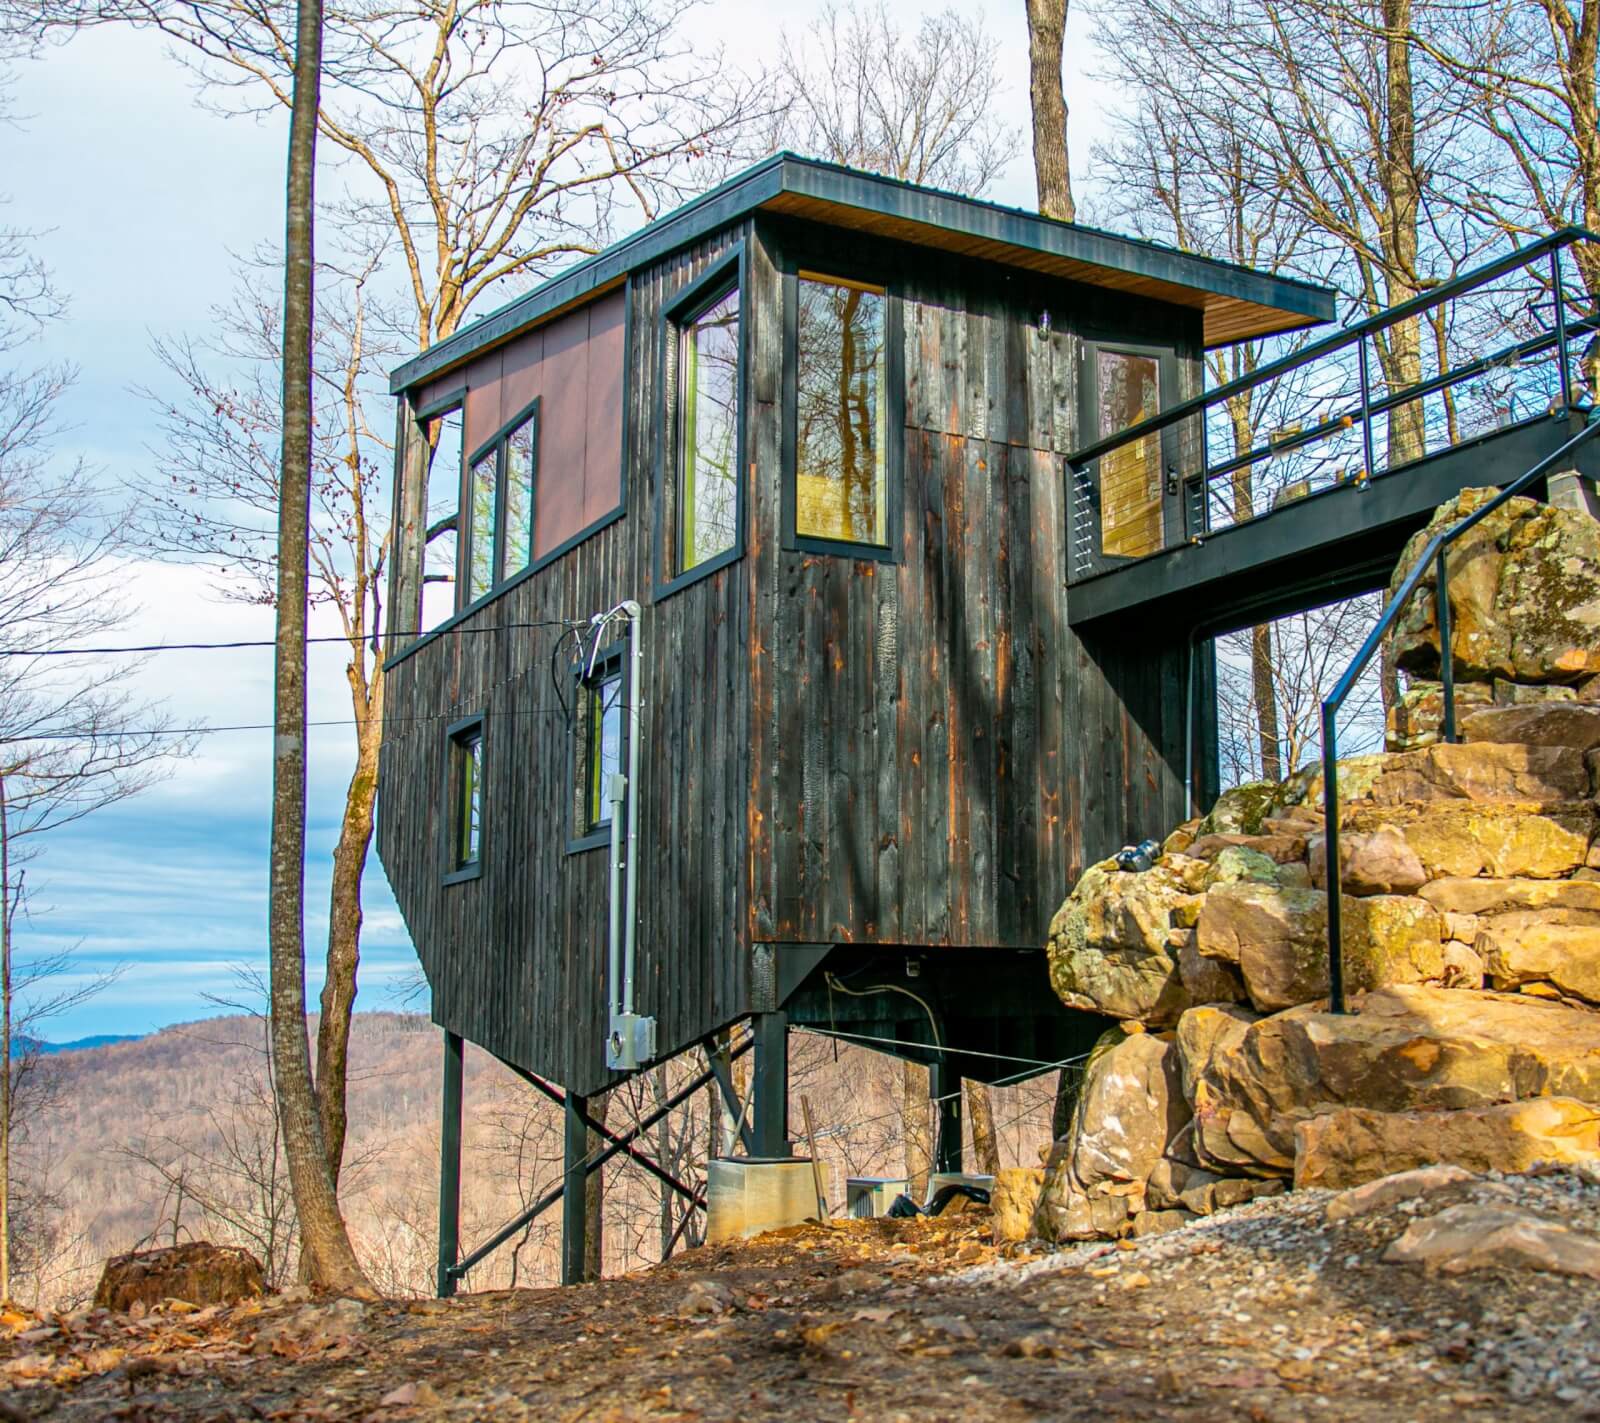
(1262, 1313)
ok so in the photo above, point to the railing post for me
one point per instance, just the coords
(1332, 875)
(450, 1168)
(1366, 408)
(1563, 359)
(1447, 651)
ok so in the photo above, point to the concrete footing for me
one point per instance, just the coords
(748, 1195)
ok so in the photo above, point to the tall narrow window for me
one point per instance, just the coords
(464, 790)
(481, 482)
(599, 747)
(444, 432)
(1128, 391)
(605, 745)
(521, 452)
(840, 446)
(708, 432)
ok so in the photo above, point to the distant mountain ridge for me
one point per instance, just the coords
(22, 1045)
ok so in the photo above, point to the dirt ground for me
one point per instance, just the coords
(1262, 1313)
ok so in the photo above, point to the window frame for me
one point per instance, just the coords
(611, 661)
(858, 274)
(497, 445)
(729, 272)
(437, 409)
(458, 736)
(1167, 376)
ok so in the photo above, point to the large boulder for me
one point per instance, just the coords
(1379, 861)
(1502, 839)
(1131, 1105)
(1566, 956)
(1573, 727)
(198, 1273)
(1524, 595)
(1505, 896)
(1353, 1144)
(1408, 1048)
(1110, 948)
(1278, 939)
(1539, 774)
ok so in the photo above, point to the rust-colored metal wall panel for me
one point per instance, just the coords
(522, 380)
(483, 400)
(563, 432)
(602, 459)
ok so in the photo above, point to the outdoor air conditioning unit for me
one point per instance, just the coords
(868, 1196)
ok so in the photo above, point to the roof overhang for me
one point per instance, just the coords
(1236, 303)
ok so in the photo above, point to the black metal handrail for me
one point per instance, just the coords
(1434, 553)
(1368, 405)
(1345, 336)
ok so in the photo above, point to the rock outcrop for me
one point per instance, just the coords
(1470, 899)
(197, 1273)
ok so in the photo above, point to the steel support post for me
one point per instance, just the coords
(450, 1168)
(771, 1085)
(574, 1198)
(944, 1086)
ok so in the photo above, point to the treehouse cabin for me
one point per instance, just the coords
(736, 675)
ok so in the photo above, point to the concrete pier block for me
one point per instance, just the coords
(748, 1195)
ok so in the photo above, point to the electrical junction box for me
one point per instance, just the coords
(868, 1196)
(632, 1042)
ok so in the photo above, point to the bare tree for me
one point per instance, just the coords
(1047, 37)
(916, 106)
(331, 1262)
(215, 501)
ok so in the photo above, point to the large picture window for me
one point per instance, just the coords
(841, 459)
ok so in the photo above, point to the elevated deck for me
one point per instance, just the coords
(1330, 544)
(1298, 483)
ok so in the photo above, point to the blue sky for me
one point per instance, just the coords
(148, 199)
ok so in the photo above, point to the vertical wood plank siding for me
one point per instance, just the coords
(917, 752)
(516, 958)
(937, 755)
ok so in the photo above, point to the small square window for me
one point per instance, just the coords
(464, 801)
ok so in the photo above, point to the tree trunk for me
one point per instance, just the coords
(594, 1195)
(1266, 700)
(332, 1261)
(1047, 34)
(917, 1114)
(980, 1112)
(344, 917)
(1402, 197)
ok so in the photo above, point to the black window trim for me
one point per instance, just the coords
(456, 735)
(729, 272)
(792, 262)
(496, 445)
(1167, 376)
(440, 406)
(608, 662)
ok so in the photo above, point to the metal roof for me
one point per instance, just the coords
(1236, 302)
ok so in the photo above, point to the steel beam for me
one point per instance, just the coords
(719, 1069)
(450, 1169)
(944, 1086)
(771, 1086)
(574, 1199)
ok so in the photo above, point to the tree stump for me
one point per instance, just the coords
(199, 1273)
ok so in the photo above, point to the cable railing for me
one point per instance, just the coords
(1335, 413)
(1435, 554)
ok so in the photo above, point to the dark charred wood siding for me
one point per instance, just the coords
(516, 958)
(937, 755)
